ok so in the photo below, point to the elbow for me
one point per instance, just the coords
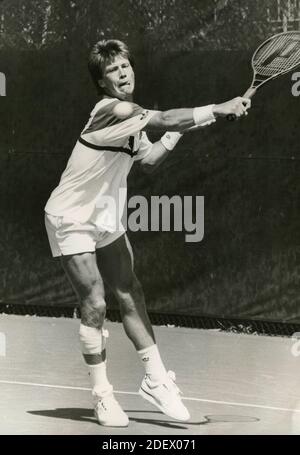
(164, 121)
(169, 121)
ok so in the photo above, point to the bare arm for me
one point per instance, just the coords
(157, 155)
(183, 119)
(172, 120)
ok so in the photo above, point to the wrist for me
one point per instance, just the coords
(204, 114)
(215, 110)
(170, 139)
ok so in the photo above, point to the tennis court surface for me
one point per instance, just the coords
(231, 383)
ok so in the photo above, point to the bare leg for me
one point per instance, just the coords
(85, 278)
(116, 265)
(86, 281)
(115, 262)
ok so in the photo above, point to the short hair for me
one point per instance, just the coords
(102, 53)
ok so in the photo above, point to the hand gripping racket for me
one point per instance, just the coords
(275, 56)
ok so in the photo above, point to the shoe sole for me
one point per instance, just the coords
(110, 425)
(151, 400)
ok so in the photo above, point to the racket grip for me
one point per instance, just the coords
(231, 117)
(248, 94)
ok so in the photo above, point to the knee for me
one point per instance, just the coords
(129, 286)
(93, 308)
(130, 296)
(93, 296)
(93, 305)
(93, 315)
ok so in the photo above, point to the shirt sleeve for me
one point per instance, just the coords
(106, 128)
(128, 127)
(144, 148)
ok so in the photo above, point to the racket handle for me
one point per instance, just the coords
(248, 94)
(231, 117)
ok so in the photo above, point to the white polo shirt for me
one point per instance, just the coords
(99, 166)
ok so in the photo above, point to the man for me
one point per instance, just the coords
(89, 236)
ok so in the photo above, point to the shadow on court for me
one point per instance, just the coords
(87, 415)
(78, 414)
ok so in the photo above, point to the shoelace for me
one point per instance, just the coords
(102, 402)
(169, 384)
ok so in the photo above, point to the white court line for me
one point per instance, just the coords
(202, 400)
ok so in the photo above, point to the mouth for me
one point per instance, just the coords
(124, 84)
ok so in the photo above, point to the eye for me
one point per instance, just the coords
(111, 70)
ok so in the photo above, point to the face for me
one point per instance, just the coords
(118, 78)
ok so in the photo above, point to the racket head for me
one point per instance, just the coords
(276, 56)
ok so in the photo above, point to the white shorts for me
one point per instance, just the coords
(70, 237)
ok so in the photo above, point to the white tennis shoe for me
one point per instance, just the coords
(166, 396)
(108, 412)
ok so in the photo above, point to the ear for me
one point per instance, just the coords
(101, 83)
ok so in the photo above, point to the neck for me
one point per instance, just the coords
(127, 98)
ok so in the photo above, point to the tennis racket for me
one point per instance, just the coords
(276, 56)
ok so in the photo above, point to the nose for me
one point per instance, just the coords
(122, 72)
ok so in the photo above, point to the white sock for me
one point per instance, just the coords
(98, 377)
(152, 363)
(93, 343)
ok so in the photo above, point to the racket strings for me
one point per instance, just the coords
(277, 44)
(279, 55)
(278, 63)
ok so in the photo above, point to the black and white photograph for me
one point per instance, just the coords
(150, 225)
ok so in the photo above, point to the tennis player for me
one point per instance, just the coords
(89, 236)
